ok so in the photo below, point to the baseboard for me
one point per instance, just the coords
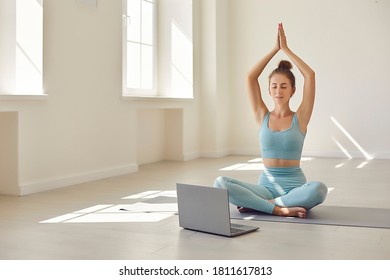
(246, 152)
(319, 154)
(332, 154)
(56, 183)
(381, 155)
(191, 156)
(217, 154)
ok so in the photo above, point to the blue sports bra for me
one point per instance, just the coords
(286, 144)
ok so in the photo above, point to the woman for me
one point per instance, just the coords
(282, 189)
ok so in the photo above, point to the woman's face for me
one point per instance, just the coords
(280, 88)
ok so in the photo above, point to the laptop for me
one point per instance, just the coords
(206, 209)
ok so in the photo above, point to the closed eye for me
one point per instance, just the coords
(284, 86)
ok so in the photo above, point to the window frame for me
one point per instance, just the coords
(139, 92)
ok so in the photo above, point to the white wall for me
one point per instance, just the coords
(159, 135)
(214, 79)
(346, 42)
(84, 130)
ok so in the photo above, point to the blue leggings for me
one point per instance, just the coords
(287, 186)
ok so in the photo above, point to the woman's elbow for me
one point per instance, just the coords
(311, 73)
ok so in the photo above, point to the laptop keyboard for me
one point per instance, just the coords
(234, 230)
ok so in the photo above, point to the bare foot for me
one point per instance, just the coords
(244, 209)
(290, 212)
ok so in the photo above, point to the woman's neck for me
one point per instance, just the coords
(282, 111)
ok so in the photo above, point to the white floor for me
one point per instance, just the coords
(34, 227)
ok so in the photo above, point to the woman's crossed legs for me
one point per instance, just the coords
(252, 196)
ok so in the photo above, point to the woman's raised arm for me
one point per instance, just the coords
(306, 108)
(258, 106)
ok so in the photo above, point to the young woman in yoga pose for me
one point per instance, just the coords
(282, 188)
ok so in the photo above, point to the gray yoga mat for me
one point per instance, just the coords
(327, 215)
(320, 215)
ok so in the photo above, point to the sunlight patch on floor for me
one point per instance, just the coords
(138, 212)
(120, 218)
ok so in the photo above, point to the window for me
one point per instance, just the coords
(140, 47)
(21, 47)
(158, 48)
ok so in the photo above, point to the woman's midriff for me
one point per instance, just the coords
(277, 162)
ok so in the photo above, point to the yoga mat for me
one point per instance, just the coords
(320, 215)
(326, 215)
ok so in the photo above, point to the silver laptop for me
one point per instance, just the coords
(206, 209)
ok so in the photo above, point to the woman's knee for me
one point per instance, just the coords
(221, 182)
(320, 190)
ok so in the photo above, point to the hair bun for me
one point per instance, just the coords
(284, 64)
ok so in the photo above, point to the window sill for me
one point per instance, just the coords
(155, 98)
(23, 96)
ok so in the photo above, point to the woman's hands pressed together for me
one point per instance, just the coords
(282, 41)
